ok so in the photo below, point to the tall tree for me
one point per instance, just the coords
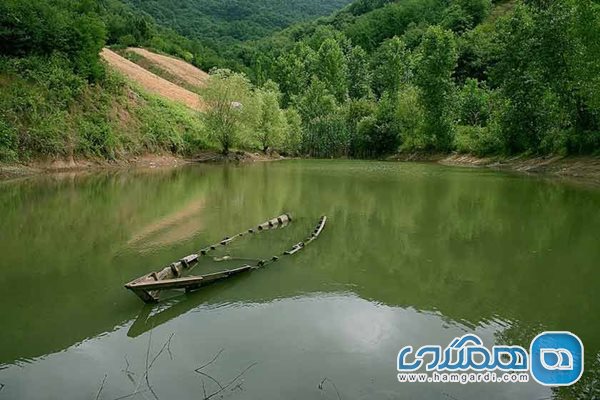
(359, 74)
(528, 73)
(315, 102)
(391, 66)
(293, 70)
(228, 96)
(271, 120)
(293, 132)
(436, 62)
(332, 69)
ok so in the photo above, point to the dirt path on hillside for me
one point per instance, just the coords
(181, 69)
(152, 82)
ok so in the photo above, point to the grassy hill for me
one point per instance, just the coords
(50, 113)
(160, 75)
(58, 99)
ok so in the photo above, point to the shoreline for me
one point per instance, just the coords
(577, 168)
(147, 161)
(580, 168)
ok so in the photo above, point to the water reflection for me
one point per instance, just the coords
(438, 250)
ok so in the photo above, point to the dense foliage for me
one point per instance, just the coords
(223, 22)
(437, 75)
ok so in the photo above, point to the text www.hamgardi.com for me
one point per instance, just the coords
(464, 378)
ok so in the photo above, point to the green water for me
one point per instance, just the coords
(412, 254)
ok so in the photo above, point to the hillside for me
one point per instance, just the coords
(60, 101)
(180, 70)
(156, 84)
(483, 77)
(223, 21)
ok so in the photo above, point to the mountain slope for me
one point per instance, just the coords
(152, 82)
(182, 73)
(233, 20)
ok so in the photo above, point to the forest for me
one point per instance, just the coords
(222, 22)
(430, 75)
(369, 81)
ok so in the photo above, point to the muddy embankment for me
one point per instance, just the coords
(585, 169)
(582, 168)
(11, 171)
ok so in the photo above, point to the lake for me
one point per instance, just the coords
(412, 254)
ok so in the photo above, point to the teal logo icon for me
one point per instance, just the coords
(556, 358)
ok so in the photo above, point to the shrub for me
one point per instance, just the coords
(8, 142)
(326, 137)
(477, 140)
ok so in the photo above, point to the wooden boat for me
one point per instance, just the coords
(148, 287)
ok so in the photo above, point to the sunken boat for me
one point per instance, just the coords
(148, 287)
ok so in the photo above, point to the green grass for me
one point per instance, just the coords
(48, 112)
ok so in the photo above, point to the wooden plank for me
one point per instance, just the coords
(225, 274)
(315, 234)
(167, 283)
(185, 282)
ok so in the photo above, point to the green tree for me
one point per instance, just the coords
(42, 28)
(391, 66)
(436, 63)
(585, 74)
(533, 80)
(476, 130)
(457, 19)
(355, 111)
(229, 99)
(477, 9)
(359, 74)
(292, 137)
(292, 71)
(315, 102)
(271, 119)
(332, 69)
(478, 50)
(411, 116)
(473, 104)
(382, 132)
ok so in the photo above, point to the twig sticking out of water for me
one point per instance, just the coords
(130, 374)
(1, 386)
(166, 346)
(211, 361)
(222, 387)
(101, 387)
(149, 364)
(322, 385)
(203, 389)
(148, 367)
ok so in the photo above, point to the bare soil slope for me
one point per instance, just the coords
(151, 82)
(179, 68)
